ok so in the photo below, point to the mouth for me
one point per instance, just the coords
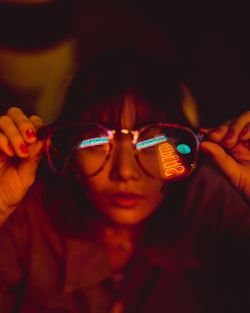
(125, 199)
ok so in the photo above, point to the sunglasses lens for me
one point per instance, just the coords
(86, 148)
(167, 153)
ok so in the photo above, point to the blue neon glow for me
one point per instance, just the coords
(151, 142)
(92, 142)
(183, 148)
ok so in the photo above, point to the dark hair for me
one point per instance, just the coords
(99, 87)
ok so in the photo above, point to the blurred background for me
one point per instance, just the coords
(41, 42)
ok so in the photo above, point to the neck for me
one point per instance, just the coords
(124, 237)
(118, 241)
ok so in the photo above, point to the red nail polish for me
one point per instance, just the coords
(246, 144)
(229, 135)
(30, 133)
(243, 132)
(23, 148)
(216, 130)
(11, 149)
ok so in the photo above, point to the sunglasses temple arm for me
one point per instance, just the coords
(202, 134)
(44, 132)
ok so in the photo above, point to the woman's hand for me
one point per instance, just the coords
(20, 153)
(229, 147)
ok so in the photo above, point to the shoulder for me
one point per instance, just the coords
(210, 185)
(31, 214)
(211, 197)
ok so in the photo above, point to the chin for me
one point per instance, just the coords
(127, 217)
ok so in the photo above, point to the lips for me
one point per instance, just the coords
(125, 199)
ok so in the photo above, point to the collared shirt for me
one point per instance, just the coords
(200, 264)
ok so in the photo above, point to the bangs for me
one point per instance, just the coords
(110, 112)
(98, 91)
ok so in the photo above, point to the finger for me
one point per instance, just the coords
(23, 123)
(241, 151)
(36, 150)
(245, 133)
(205, 130)
(9, 129)
(5, 146)
(224, 161)
(28, 166)
(36, 121)
(236, 127)
(218, 133)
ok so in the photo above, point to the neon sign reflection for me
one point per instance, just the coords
(170, 163)
(92, 142)
(151, 142)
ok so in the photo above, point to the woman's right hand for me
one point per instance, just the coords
(20, 153)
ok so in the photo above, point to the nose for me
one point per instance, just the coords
(123, 165)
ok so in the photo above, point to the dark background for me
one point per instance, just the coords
(209, 43)
(212, 45)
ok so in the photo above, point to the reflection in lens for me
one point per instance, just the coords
(183, 148)
(86, 147)
(151, 142)
(91, 159)
(92, 142)
(167, 152)
(171, 165)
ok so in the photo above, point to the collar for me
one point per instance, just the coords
(86, 265)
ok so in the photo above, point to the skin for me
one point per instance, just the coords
(20, 155)
(229, 148)
(122, 174)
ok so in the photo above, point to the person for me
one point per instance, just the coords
(124, 222)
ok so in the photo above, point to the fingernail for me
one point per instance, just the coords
(216, 130)
(243, 132)
(246, 144)
(30, 133)
(23, 148)
(11, 149)
(229, 135)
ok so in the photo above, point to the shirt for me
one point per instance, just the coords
(198, 261)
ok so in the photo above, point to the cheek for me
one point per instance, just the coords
(91, 187)
(153, 186)
(155, 192)
(95, 186)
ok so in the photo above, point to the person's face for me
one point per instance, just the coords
(122, 192)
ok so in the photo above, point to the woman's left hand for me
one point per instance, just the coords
(229, 147)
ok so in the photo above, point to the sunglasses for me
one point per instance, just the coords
(163, 151)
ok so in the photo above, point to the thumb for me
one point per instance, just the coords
(223, 160)
(36, 151)
(29, 165)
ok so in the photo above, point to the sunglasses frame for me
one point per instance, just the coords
(46, 132)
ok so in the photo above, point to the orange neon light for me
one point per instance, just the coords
(170, 163)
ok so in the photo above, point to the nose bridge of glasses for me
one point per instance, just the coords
(123, 146)
(124, 134)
